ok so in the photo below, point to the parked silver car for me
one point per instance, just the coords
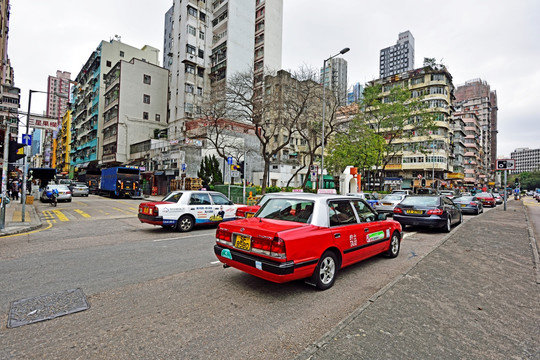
(79, 189)
(389, 202)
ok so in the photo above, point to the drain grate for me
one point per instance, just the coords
(46, 307)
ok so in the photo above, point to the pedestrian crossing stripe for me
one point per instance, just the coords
(82, 213)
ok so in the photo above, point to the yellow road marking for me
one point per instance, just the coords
(122, 211)
(82, 213)
(134, 209)
(60, 215)
(48, 214)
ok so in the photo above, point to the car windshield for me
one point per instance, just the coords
(297, 210)
(421, 201)
(392, 197)
(484, 194)
(447, 192)
(465, 199)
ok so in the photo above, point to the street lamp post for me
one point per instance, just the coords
(25, 161)
(321, 186)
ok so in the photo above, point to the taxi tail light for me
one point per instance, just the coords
(473, 204)
(435, 212)
(278, 248)
(240, 213)
(398, 210)
(223, 235)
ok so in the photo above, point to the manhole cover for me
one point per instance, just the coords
(46, 307)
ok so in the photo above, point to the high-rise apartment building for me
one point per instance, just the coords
(207, 43)
(397, 58)
(89, 98)
(475, 96)
(356, 94)
(135, 107)
(334, 78)
(58, 89)
(526, 160)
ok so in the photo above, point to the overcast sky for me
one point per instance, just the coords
(495, 40)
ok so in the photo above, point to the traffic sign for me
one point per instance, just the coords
(183, 167)
(506, 164)
(235, 173)
(27, 139)
(229, 160)
(419, 176)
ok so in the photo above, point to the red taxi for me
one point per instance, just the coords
(306, 236)
(487, 199)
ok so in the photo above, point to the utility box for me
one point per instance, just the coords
(29, 199)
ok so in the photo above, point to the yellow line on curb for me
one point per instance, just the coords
(31, 232)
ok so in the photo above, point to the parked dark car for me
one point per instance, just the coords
(435, 211)
(469, 205)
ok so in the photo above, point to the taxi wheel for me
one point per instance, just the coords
(393, 251)
(185, 223)
(325, 273)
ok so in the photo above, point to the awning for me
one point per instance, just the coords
(83, 165)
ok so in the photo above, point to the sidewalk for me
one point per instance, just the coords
(476, 296)
(14, 224)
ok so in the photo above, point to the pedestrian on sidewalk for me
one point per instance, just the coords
(14, 190)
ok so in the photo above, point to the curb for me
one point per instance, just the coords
(534, 245)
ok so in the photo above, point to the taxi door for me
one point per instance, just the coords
(346, 230)
(224, 209)
(201, 207)
(376, 233)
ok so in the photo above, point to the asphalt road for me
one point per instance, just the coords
(161, 294)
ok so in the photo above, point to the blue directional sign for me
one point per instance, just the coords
(183, 167)
(229, 160)
(27, 139)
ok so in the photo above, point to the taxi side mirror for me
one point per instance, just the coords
(381, 217)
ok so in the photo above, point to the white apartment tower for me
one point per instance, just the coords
(334, 78)
(398, 58)
(211, 41)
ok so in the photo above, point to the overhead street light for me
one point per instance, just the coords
(343, 51)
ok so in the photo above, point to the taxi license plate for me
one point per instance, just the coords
(463, 205)
(242, 242)
(387, 204)
(248, 215)
(419, 212)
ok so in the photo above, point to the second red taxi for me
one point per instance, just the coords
(306, 236)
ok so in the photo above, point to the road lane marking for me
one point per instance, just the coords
(134, 209)
(122, 211)
(82, 213)
(180, 238)
(409, 234)
(215, 262)
(60, 215)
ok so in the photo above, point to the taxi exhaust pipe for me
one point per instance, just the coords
(226, 266)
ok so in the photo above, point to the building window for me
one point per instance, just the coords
(191, 30)
(200, 71)
(201, 35)
(147, 79)
(201, 54)
(202, 16)
(191, 11)
(157, 117)
(189, 88)
(190, 49)
(109, 64)
(145, 115)
(190, 69)
(146, 99)
(200, 91)
(121, 53)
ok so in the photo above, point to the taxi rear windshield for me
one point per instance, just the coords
(296, 210)
(421, 201)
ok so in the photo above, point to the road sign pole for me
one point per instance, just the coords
(505, 192)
